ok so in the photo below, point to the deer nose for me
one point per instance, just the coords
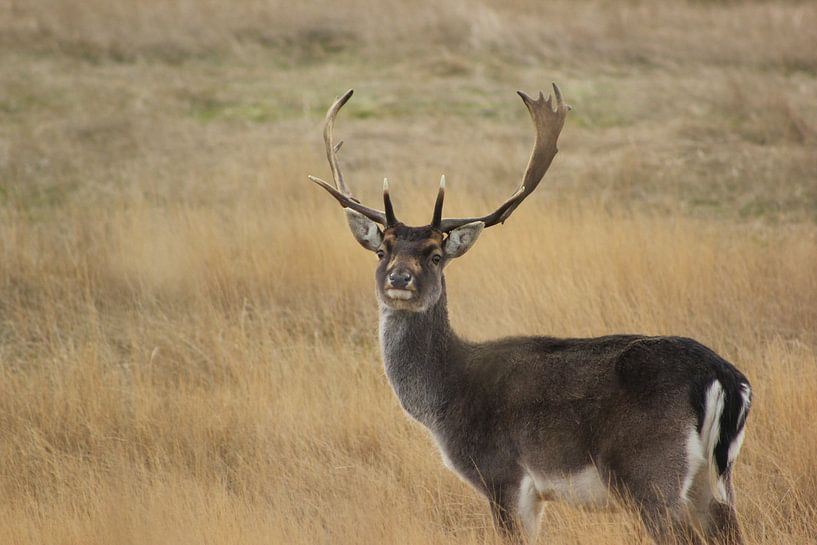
(399, 279)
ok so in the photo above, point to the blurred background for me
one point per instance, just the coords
(174, 365)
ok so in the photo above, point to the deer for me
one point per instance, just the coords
(654, 423)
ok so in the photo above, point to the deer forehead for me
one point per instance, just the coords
(417, 241)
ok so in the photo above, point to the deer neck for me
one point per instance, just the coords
(418, 351)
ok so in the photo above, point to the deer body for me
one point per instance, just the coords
(656, 420)
(530, 419)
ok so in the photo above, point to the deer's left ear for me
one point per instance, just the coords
(365, 231)
(462, 238)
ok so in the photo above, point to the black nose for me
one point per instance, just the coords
(399, 280)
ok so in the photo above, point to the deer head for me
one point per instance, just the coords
(411, 259)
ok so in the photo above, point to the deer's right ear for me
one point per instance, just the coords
(366, 232)
(462, 238)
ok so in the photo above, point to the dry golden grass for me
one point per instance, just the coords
(175, 366)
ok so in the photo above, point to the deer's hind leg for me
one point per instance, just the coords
(667, 524)
(657, 486)
(724, 529)
(717, 520)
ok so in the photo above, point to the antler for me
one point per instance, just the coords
(341, 191)
(548, 123)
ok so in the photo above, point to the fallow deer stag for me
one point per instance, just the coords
(656, 420)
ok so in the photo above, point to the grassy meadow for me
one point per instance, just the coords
(188, 332)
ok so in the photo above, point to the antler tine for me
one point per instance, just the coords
(548, 123)
(328, 138)
(391, 219)
(340, 190)
(348, 201)
(438, 205)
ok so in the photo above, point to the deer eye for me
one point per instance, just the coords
(436, 259)
(380, 254)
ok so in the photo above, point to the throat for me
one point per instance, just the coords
(419, 354)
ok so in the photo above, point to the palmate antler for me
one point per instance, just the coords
(548, 124)
(547, 121)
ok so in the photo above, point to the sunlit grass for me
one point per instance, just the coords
(188, 348)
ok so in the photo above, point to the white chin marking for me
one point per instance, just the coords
(405, 295)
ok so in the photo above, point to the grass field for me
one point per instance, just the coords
(188, 347)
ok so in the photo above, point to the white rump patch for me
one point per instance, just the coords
(737, 442)
(746, 394)
(734, 447)
(710, 432)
